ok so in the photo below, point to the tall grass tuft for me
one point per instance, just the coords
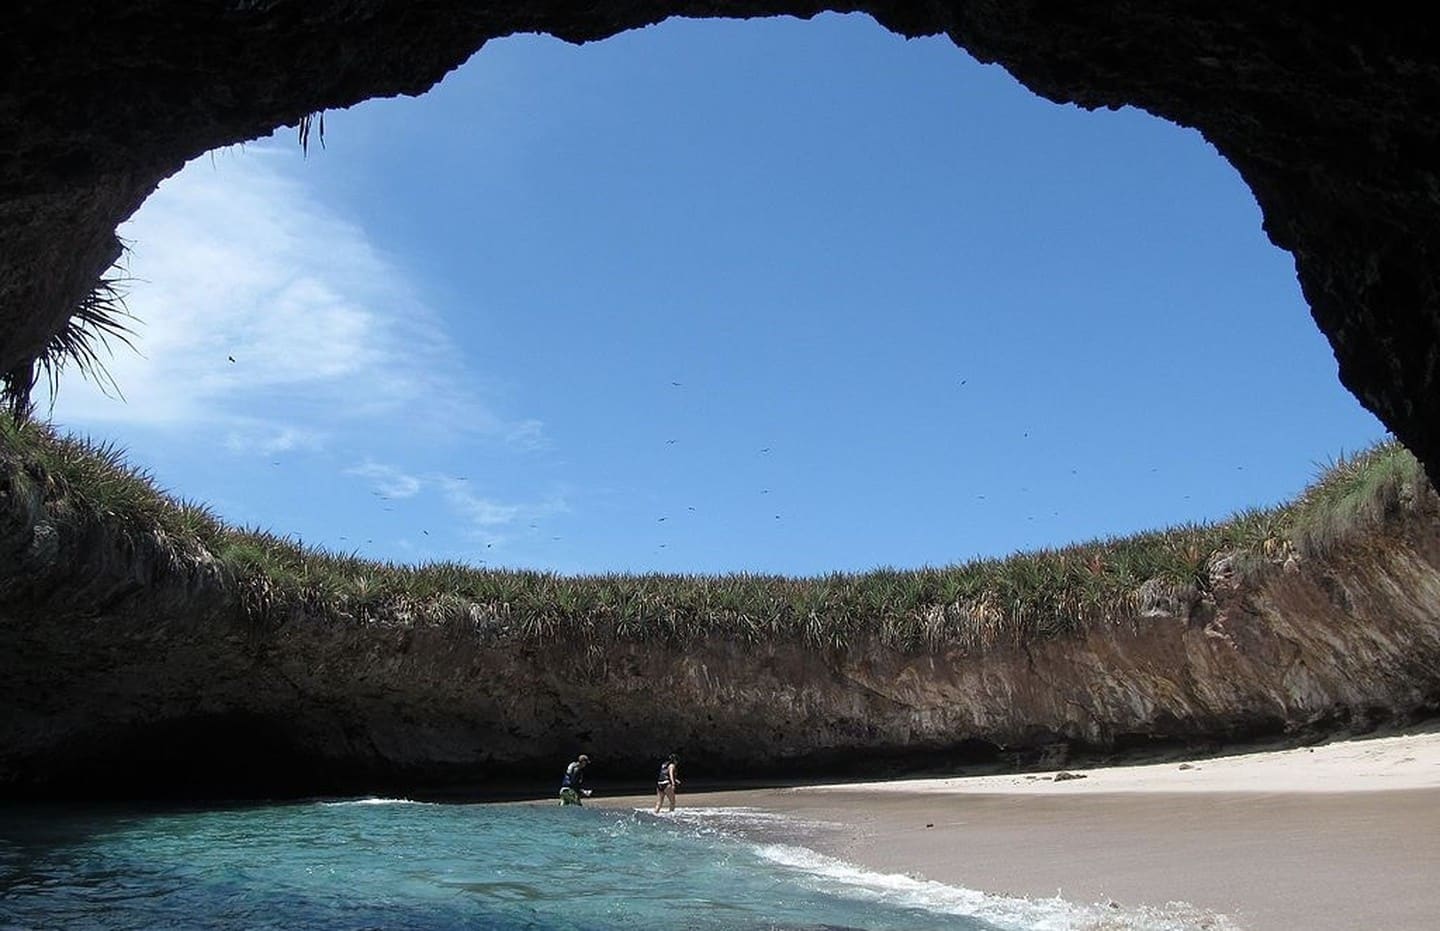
(974, 605)
(85, 341)
(1356, 493)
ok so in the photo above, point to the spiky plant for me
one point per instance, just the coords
(101, 317)
(311, 122)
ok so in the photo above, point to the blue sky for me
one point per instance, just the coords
(713, 296)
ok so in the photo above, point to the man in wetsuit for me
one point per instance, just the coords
(570, 786)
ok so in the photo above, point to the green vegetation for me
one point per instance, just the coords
(100, 318)
(973, 605)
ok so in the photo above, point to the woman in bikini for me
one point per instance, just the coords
(665, 787)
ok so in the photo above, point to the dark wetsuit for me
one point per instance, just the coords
(570, 784)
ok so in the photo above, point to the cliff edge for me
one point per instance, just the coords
(145, 649)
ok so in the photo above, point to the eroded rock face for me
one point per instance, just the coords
(1330, 113)
(128, 665)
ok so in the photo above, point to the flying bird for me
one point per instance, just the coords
(426, 532)
(675, 384)
(670, 442)
(231, 358)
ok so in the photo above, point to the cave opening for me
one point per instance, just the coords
(762, 295)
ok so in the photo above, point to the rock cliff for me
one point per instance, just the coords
(134, 662)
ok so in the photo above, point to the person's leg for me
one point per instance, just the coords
(670, 791)
(659, 797)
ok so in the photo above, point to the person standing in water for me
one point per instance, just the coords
(665, 787)
(570, 786)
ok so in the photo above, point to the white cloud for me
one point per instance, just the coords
(527, 435)
(490, 520)
(388, 480)
(479, 511)
(487, 519)
(267, 441)
(265, 313)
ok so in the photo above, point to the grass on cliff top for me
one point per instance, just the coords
(972, 605)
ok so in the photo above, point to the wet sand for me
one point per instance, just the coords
(1320, 840)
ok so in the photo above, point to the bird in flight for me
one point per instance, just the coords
(675, 384)
(426, 532)
(765, 449)
(670, 442)
(231, 358)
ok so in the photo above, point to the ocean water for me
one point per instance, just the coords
(394, 864)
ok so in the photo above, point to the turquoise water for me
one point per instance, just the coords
(393, 864)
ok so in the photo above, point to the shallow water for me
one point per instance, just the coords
(394, 864)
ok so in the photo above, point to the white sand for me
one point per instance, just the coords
(1410, 761)
(1338, 837)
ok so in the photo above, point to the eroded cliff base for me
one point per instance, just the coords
(155, 653)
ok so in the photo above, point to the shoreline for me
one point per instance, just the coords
(1328, 838)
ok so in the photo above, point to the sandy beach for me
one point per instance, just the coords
(1335, 837)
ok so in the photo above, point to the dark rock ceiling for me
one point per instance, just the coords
(1330, 112)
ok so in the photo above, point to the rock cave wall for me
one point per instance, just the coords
(130, 665)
